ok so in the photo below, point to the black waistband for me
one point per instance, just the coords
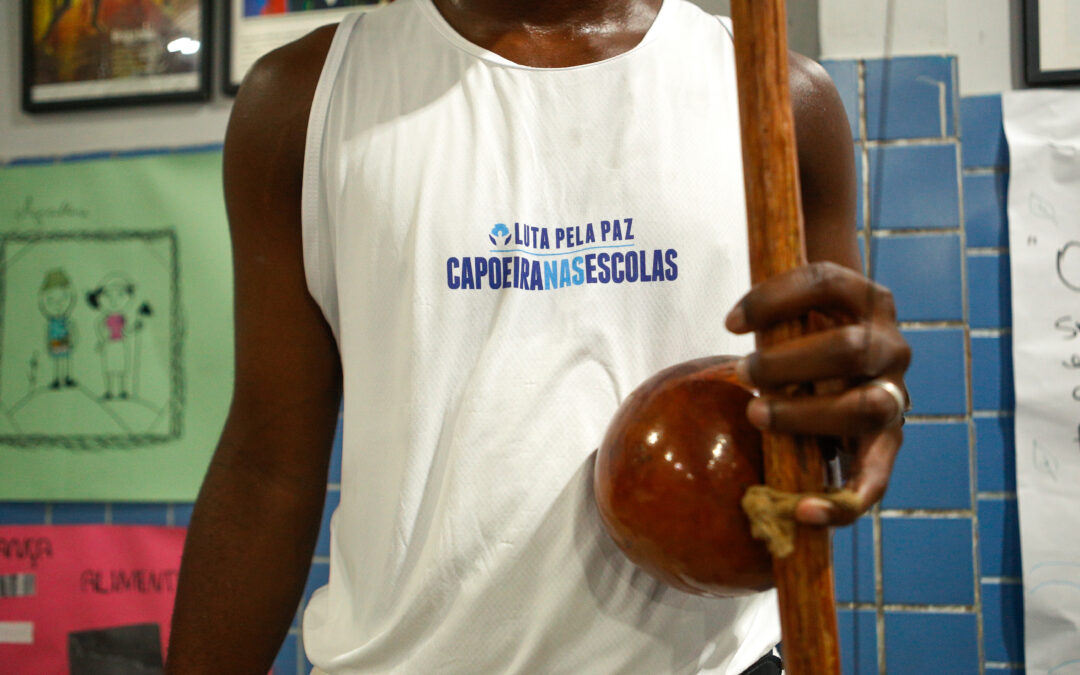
(767, 665)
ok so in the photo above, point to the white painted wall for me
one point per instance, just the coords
(983, 34)
(63, 133)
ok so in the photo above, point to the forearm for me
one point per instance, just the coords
(245, 562)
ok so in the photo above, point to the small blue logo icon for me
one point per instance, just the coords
(500, 230)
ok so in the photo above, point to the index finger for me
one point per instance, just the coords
(822, 286)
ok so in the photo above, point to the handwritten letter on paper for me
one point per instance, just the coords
(1043, 128)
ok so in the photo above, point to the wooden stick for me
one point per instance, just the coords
(804, 579)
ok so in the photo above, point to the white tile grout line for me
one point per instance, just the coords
(943, 107)
(1004, 496)
(928, 141)
(931, 609)
(990, 332)
(986, 170)
(929, 325)
(936, 419)
(957, 117)
(908, 607)
(927, 514)
(884, 233)
(982, 414)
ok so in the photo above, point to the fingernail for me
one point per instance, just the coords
(742, 372)
(814, 511)
(758, 413)
(736, 319)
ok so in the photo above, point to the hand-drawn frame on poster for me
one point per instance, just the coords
(1036, 50)
(168, 416)
(145, 64)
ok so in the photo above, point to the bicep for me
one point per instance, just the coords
(826, 166)
(288, 380)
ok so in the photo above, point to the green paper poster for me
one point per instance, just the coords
(116, 339)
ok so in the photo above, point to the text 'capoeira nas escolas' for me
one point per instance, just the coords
(536, 258)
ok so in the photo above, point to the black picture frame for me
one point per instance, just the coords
(1035, 73)
(248, 37)
(55, 79)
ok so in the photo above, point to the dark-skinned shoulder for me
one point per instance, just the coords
(826, 163)
(271, 111)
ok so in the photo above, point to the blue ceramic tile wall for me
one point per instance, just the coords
(914, 186)
(853, 550)
(984, 138)
(936, 379)
(1003, 626)
(991, 372)
(945, 552)
(927, 561)
(932, 471)
(910, 98)
(985, 203)
(922, 272)
(936, 566)
(990, 292)
(923, 642)
(78, 514)
(999, 538)
(858, 640)
(996, 454)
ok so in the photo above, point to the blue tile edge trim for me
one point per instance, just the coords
(110, 154)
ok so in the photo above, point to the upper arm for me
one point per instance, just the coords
(826, 165)
(287, 364)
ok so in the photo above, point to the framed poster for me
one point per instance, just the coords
(255, 27)
(98, 53)
(1052, 42)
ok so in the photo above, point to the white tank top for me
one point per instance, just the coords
(504, 253)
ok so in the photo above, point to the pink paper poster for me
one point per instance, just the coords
(87, 599)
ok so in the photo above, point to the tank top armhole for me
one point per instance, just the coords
(316, 229)
(725, 21)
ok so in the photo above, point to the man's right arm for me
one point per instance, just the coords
(256, 520)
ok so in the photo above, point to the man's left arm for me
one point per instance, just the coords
(864, 349)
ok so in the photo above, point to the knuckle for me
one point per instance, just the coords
(875, 491)
(878, 408)
(826, 278)
(885, 301)
(758, 368)
(903, 356)
(858, 349)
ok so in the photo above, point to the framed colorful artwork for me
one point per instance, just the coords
(255, 27)
(98, 53)
(1052, 42)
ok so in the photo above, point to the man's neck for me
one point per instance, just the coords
(551, 33)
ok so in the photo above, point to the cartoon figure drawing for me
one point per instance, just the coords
(112, 298)
(56, 299)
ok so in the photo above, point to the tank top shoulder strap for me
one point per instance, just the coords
(316, 229)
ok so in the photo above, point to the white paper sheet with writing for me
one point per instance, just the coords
(1043, 129)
